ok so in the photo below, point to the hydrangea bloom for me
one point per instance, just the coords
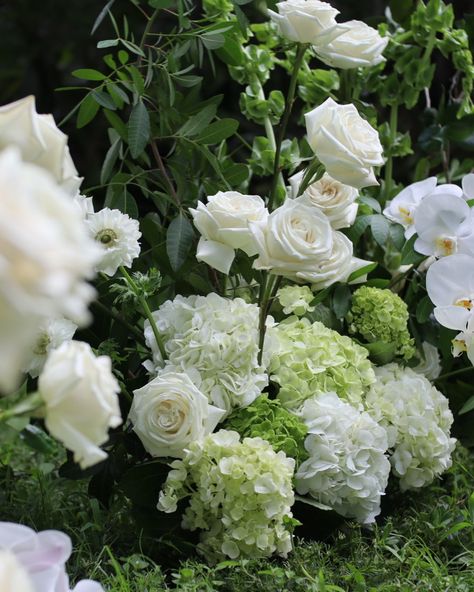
(311, 359)
(418, 421)
(295, 299)
(267, 419)
(217, 340)
(240, 494)
(347, 469)
(381, 315)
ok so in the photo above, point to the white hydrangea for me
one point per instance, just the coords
(347, 469)
(51, 335)
(240, 495)
(418, 421)
(118, 236)
(216, 340)
(295, 299)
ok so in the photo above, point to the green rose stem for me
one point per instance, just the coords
(290, 98)
(114, 314)
(389, 164)
(268, 289)
(29, 405)
(146, 310)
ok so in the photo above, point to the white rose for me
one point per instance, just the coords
(81, 402)
(224, 226)
(306, 21)
(45, 257)
(118, 235)
(13, 577)
(333, 198)
(347, 145)
(39, 140)
(170, 412)
(299, 243)
(357, 46)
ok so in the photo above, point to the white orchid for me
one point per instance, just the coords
(464, 341)
(445, 225)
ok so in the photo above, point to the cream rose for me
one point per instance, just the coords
(306, 21)
(333, 198)
(357, 46)
(81, 403)
(170, 412)
(347, 145)
(39, 140)
(224, 226)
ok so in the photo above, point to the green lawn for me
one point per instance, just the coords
(425, 541)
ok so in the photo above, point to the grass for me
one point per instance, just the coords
(424, 543)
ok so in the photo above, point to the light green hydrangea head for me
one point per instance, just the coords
(270, 421)
(381, 315)
(296, 300)
(240, 495)
(311, 359)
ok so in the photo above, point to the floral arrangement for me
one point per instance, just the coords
(270, 320)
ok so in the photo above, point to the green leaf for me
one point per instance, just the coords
(133, 47)
(468, 406)
(138, 129)
(137, 78)
(107, 43)
(198, 122)
(218, 131)
(358, 228)
(38, 440)
(371, 202)
(409, 255)
(361, 272)
(380, 227)
(102, 15)
(109, 161)
(141, 482)
(179, 239)
(380, 352)
(121, 199)
(88, 74)
(103, 99)
(87, 111)
(160, 3)
(341, 300)
(424, 309)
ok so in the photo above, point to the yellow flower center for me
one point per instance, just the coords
(445, 245)
(465, 303)
(406, 215)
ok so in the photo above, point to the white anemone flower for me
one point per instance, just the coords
(445, 225)
(450, 286)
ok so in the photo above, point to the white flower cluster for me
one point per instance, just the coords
(215, 341)
(240, 494)
(36, 562)
(347, 469)
(418, 421)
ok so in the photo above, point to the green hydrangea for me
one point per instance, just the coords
(240, 496)
(270, 421)
(310, 359)
(381, 315)
(296, 299)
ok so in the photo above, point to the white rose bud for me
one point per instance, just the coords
(333, 198)
(306, 21)
(358, 46)
(170, 412)
(224, 226)
(347, 145)
(39, 141)
(13, 577)
(81, 402)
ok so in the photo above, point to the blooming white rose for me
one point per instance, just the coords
(81, 402)
(306, 21)
(13, 577)
(347, 469)
(357, 46)
(333, 198)
(445, 225)
(118, 235)
(45, 257)
(224, 226)
(170, 412)
(51, 335)
(299, 243)
(42, 557)
(39, 141)
(347, 145)
(429, 366)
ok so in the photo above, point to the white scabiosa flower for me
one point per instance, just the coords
(347, 469)
(418, 421)
(334, 199)
(117, 235)
(45, 257)
(39, 141)
(215, 341)
(170, 412)
(81, 403)
(50, 336)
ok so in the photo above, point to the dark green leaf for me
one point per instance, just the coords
(409, 255)
(88, 74)
(380, 352)
(103, 99)
(179, 239)
(371, 202)
(138, 129)
(107, 43)
(87, 111)
(341, 300)
(38, 440)
(380, 227)
(142, 483)
(198, 122)
(109, 161)
(358, 273)
(468, 406)
(218, 131)
(102, 15)
(424, 309)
